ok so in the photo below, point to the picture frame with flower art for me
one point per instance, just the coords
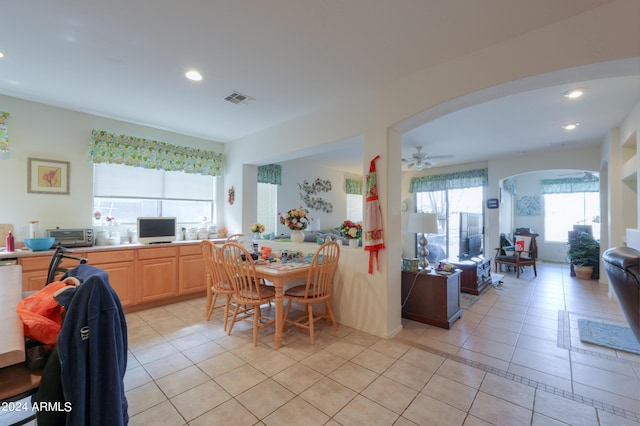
(47, 176)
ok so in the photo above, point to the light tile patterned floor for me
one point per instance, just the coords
(514, 358)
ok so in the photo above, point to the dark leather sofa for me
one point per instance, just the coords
(622, 266)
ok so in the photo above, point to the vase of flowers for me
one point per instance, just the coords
(256, 229)
(296, 220)
(352, 231)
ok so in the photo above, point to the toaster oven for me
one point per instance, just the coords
(71, 237)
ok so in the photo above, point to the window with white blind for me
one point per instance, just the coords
(268, 206)
(354, 207)
(126, 193)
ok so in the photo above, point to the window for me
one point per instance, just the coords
(126, 192)
(450, 205)
(354, 207)
(267, 206)
(562, 211)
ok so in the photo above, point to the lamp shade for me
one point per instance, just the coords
(423, 223)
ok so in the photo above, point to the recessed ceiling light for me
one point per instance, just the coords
(574, 94)
(570, 126)
(193, 75)
(1, 55)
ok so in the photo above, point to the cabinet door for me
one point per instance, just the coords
(192, 274)
(157, 279)
(121, 278)
(36, 269)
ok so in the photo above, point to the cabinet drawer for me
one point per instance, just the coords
(110, 256)
(42, 263)
(155, 253)
(190, 250)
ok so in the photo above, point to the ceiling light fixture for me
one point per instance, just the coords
(193, 75)
(574, 94)
(1, 55)
(570, 126)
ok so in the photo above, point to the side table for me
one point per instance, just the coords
(431, 298)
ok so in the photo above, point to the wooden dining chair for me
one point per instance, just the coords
(233, 238)
(219, 284)
(520, 258)
(318, 288)
(250, 291)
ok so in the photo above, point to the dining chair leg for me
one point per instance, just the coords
(226, 311)
(233, 320)
(256, 324)
(331, 318)
(286, 315)
(212, 305)
(311, 330)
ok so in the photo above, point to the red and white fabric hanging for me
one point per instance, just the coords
(373, 241)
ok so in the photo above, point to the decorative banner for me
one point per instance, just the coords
(4, 134)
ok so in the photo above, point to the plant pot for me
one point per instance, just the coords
(297, 236)
(583, 272)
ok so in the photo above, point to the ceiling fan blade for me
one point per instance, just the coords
(439, 157)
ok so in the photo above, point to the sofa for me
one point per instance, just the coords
(622, 266)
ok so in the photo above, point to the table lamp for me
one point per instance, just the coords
(423, 224)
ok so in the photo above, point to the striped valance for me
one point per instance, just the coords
(131, 151)
(456, 180)
(270, 173)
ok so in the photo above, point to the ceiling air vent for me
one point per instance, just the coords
(239, 98)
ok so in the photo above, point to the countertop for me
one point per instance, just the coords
(25, 252)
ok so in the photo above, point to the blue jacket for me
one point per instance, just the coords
(92, 346)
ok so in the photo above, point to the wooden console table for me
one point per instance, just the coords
(434, 299)
(476, 274)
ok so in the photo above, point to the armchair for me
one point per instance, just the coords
(520, 258)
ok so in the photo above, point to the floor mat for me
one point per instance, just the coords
(608, 335)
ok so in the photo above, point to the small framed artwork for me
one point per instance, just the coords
(48, 176)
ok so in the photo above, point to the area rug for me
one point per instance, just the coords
(608, 335)
(467, 300)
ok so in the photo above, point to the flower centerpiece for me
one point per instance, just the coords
(257, 228)
(296, 220)
(351, 230)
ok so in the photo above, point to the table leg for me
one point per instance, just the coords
(279, 300)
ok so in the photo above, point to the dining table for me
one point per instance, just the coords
(280, 274)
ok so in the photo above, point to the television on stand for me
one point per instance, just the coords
(471, 231)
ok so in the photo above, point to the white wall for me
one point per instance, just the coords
(40, 131)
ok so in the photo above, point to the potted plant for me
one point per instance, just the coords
(584, 254)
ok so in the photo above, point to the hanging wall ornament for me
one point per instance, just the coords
(231, 194)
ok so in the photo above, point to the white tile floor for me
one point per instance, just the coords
(514, 358)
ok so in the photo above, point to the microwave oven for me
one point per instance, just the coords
(71, 237)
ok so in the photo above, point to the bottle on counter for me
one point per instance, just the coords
(10, 242)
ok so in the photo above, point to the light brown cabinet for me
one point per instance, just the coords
(192, 275)
(157, 273)
(142, 276)
(119, 264)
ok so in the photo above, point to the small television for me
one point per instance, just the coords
(155, 230)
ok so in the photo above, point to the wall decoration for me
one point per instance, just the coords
(48, 176)
(231, 195)
(528, 205)
(309, 190)
(4, 133)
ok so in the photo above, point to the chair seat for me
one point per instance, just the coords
(512, 259)
(226, 286)
(266, 292)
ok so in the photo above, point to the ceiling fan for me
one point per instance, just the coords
(421, 159)
(586, 175)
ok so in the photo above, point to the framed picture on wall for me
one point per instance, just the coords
(47, 176)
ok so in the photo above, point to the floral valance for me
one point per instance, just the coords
(131, 151)
(353, 186)
(270, 173)
(569, 185)
(510, 185)
(4, 134)
(456, 180)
